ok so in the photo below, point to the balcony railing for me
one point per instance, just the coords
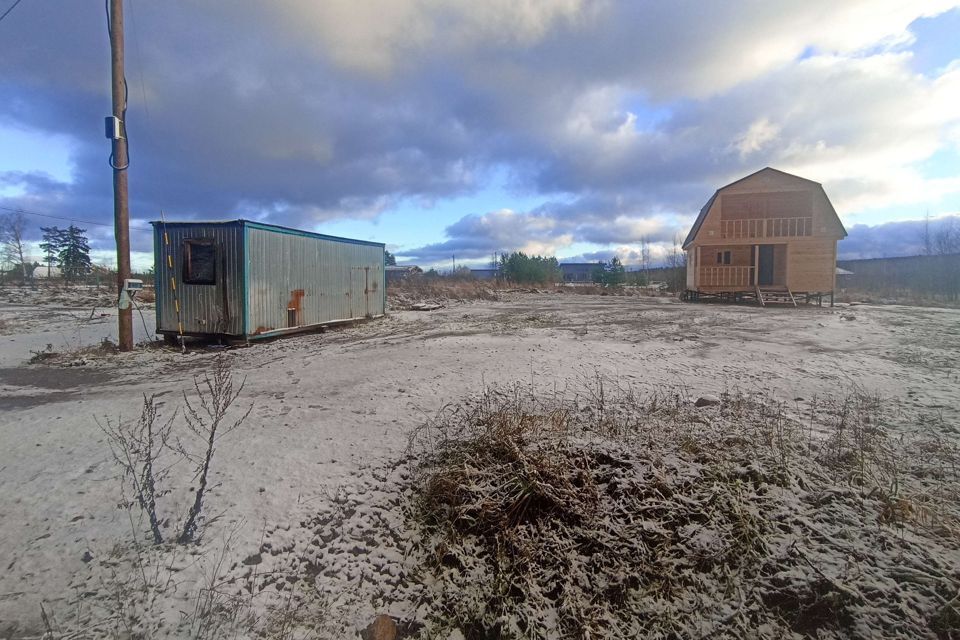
(766, 228)
(726, 276)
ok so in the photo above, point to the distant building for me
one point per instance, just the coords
(484, 274)
(41, 272)
(578, 271)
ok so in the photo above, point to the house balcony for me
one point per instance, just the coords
(727, 276)
(766, 228)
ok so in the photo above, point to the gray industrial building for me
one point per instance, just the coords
(578, 271)
(246, 279)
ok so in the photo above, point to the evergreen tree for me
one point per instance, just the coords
(53, 239)
(74, 255)
(610, 274)
(518, 267)
(616, 274)
(389, 259)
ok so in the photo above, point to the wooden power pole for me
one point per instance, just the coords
(119, 160)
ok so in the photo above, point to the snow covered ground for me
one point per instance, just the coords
(329, 429)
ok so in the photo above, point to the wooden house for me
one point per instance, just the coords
(771, 236)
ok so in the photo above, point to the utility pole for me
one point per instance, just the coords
(119, 160)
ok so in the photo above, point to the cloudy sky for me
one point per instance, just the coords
(457, 127)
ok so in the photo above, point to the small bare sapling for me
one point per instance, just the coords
(137, 448)
(146, 450)
(206, 417)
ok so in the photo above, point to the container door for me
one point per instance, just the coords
(204, 297)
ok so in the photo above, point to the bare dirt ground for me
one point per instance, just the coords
(332, 411)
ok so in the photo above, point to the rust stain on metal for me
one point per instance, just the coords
(262, 330)
(296, 300)
(294, 307)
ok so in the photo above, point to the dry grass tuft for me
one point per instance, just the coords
(402, 295)
(609, 513)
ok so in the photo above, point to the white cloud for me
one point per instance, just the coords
(760, 134)
(377, 37)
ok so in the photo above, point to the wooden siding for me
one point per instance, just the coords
(770, 207)
(777, 204)
(811, 264)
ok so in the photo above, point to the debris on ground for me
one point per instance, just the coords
(425, 306)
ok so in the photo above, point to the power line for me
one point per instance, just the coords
(65, 218)
(7, 12)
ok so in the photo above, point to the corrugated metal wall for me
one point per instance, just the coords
(321, 279)
(216, 308)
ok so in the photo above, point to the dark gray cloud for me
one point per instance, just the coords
(903, 238)
(623, 116)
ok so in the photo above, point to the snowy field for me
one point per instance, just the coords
(304, 518)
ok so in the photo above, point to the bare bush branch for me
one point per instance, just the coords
(136, 448)
(205, 417)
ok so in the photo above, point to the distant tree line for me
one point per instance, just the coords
(67, 249)
(520, 268)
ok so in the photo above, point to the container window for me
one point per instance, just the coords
(199, 262)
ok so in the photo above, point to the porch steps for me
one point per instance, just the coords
(783, 296)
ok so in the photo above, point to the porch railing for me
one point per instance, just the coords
(726, 276)
(766, 228)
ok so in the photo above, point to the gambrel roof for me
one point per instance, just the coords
(705, 210)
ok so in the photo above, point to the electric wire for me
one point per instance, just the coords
(12, 7)
(28, 212)
(146, 331)
(123, 112)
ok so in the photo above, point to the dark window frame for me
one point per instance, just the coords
(188, 275)
(723, 257)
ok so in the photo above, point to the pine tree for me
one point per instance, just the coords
(74, 256)
(53, 239)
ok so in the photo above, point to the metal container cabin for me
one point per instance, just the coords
(252, 280)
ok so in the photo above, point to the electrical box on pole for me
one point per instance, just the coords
(113, 128)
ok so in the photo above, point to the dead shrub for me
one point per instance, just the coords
(418, 289)
(148, 295)
(605, 512)
(146, 449)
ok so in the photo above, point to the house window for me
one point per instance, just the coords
(723, 257)
(199, 262)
